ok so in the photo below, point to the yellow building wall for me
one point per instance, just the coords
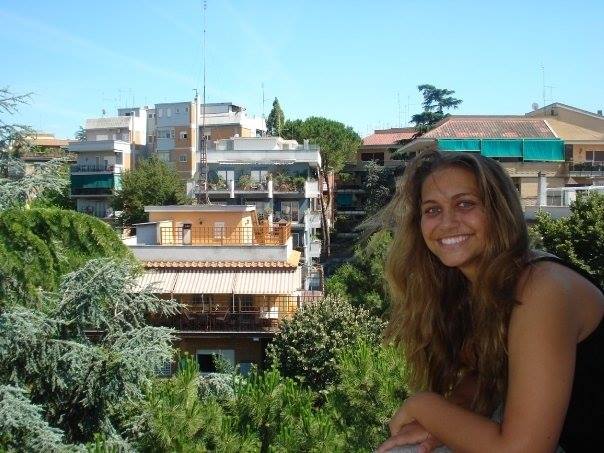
(580, 150)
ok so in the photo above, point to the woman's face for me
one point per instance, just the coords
(453, 221)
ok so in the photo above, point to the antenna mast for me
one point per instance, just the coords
(202, 181)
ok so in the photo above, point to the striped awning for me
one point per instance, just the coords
(204, 282)
(159, 282)
(223, 281)
(267, 282)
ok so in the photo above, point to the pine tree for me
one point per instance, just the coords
(276, 120)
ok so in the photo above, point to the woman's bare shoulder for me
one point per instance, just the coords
(548, 285)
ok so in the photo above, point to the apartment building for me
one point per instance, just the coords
(279, 177)
(174, 128)
(237, 275)
(380, 148)
(526, 147)
(109, 149)
(583, 135)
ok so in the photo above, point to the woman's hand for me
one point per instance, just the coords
(411, 434)
(404, 430)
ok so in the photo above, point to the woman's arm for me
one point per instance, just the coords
(542, 341)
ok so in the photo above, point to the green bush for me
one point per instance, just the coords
(577, 238)
(306, 346)
(361, 279)
(371, 387)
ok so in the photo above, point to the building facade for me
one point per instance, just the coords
(583, 135)
(525, 147)
(279, 177)
(236, 275)
(109, 149)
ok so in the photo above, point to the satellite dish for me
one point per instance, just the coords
(535, 106)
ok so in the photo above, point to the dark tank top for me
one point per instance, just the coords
(584, 422)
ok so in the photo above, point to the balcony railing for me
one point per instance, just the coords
(234, 316)
(95, 191)
(262, 234)
(587, 169)
(91, 168)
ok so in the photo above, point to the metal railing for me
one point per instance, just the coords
(86, 191)
(594, 168)
(234, 316)
(262, 234)
(90, 168)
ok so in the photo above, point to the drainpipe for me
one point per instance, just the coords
(542, 189)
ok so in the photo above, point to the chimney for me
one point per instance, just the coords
(542, 189)
(306, 140)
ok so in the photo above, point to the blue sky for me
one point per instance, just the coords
(347, 60)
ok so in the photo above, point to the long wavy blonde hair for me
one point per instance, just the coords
(445, 326)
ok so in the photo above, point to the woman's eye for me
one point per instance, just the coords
(432, 210)
(466, 204)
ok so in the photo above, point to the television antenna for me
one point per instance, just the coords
(202, 166)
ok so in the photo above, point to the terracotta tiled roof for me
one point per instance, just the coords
(491, 127)
(217, 264)
(387, 137)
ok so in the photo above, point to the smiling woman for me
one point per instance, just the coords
(486, 323)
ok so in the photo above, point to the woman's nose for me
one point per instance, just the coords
(449, 218)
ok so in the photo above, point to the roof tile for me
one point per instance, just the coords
(389, 136)
(491, 127)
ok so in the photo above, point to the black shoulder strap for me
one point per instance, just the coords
(540, 255)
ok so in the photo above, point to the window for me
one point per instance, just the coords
(126, 136)
(118, 159)
(186, 109)
(183, 135)
(245, 302)
(219, 228)
(171, 133)
(168, 112)
(290, 210)
(160, 112)
(150, 115)
(227, 175)
(205, 358)
(176, 110)
(102, 137)
(594, 156)
(259, 175)
(182, 158)
(150, 138)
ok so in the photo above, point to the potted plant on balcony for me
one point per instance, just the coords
(245, 183)
(217, 183)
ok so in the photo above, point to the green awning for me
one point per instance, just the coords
(502, 148)
(93, 181)
(544, 150)
(460, 145)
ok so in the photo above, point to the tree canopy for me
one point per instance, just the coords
(306, 345)
(436, 101)
(275, 120)
(38, 246)
(361, 279)
(152, 182)
(577, 238)
(338, 142)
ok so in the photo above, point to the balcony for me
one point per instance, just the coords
(351, 210)
(92, 168)
(262, 234)
(84, 191)
(587, 169)
(228, 314)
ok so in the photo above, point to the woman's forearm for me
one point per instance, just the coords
(457, 427)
